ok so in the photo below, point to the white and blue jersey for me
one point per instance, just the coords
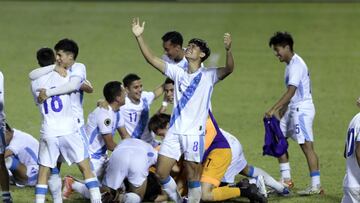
(136, 116)
(352, 176)
(57, 113)
(297, 74)
(78, 70)
(182, 64)
(192, 95)
(100, 122)
(25, 148)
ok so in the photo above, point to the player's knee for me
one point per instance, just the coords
(206, 195)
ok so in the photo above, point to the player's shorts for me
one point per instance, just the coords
(215, 166)
(297, 122)
(71, 147)
(238, 161)
(128, 164)
(192, 146)
(351, 195)
(98, 165)
(32, 172)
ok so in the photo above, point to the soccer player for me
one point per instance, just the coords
(168, 95)
(351, 183)
(135, 112)
(193, 90)
(64, 139)
(173, 48)
(100, 128)
(299, 110)
(21, 156)
(45, 57)
(4, 175)
(121, 165)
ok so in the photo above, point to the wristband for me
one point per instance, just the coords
(164, 103)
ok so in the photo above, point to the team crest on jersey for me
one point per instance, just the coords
(107, 122)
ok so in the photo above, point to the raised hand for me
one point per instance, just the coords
(227, 41)
(137, 29)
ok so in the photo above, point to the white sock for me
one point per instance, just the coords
(93, 185)
(269, 181)
(169, 186)
(194, 191)
(315, 178)
(54, 183)
(40, 192)
(285, 171)
(81, 188)
(132, 198)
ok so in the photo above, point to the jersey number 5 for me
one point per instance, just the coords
(55, 104)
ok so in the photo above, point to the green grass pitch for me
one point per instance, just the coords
(326, 36)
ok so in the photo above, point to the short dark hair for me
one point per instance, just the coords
(283, 39)
(67, 45)
(203, 47)
(158, 121)
(169, 81)
(174, 37)
(8, 128)
(45, 56)
(129, 78)
(111, 90)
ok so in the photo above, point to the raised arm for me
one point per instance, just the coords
(158, 91)
(138, 30)
(229, 64)
(284, 100)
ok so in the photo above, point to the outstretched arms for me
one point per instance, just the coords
(138, 30)
(229, 64)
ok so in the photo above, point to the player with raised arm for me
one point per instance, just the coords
(64, 139)
(100, 128)
(135, 112)
(4, 175)
(193, 89)
(296, 102)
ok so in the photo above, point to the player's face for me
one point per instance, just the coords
(172, 50)
(64, 59)
(281, 52)
(134, 90)
(169, 92)
(193, 52)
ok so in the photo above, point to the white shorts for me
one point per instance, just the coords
(351, 195)
(98, 165)
(71, 147)
(238, 162)
(126, 164)
(297, 123)
(32, 172)
(192, 146)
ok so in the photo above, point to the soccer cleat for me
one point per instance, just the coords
(312, 190)
(250, 191)
(260, 184)
(67, 190)
(287, 183)
(285, 192)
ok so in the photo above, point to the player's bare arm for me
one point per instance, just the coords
(123, 133)
(87, 87)
(284, 100)
(138, 30)
(159, 91)
(229, 64)
(109, 142)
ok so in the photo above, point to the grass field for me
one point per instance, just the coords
(326, 36)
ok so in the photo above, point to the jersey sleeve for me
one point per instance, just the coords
(212, 74)
(121, 121)
(15, 145)
(73, 85)
(149, 96)
(35, 74)
(78, 70)
(104, 122)
(295, 74)
(172, 71)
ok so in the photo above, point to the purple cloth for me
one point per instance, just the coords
(275, 142)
